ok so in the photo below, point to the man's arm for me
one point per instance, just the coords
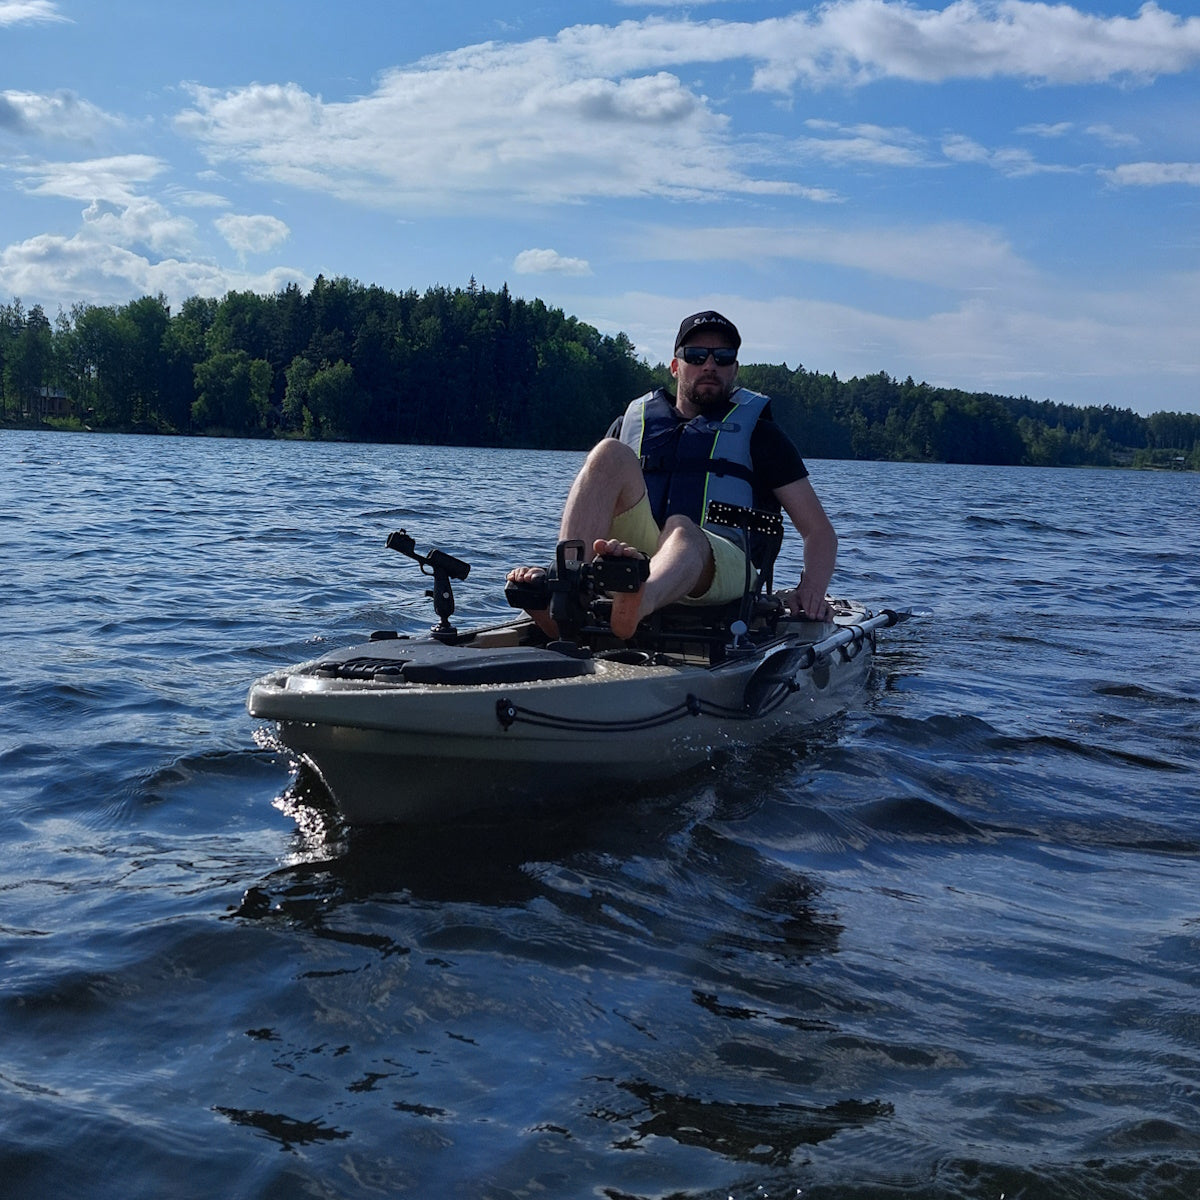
(803, 506)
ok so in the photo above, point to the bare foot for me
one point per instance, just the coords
(526, 574)
(626, 606)
(540, 617)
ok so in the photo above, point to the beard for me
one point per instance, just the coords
(704, 393)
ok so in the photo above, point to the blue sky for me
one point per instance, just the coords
(999, 196)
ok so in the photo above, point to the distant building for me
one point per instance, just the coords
(50, 402)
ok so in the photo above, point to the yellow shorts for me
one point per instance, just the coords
(638, 528)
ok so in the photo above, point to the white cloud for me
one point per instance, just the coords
(1060, 129)
(599, 112)
(1111, 136)
(549, 262)
(194, 198)
(128, 242)
(856, 41)
(955, 255)
(60, 115)
(1056, 130)
(17, 12)
(88, 270)
(252, 234)
(1011, 161)
(1082, 346)
(871, 145)
(112, 179)
(1153, 174)
(142, 222)
(653, 99)
(429, 137)
(116, 208)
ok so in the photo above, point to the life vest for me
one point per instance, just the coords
(688, 463)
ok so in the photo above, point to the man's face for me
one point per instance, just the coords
(705, 385)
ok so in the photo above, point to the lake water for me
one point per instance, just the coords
(948, 946)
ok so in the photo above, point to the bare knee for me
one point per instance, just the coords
(687, 539)
(613, 457)
(613, 469)
(683, 529)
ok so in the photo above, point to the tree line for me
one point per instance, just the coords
(472, 366)
(878, 417)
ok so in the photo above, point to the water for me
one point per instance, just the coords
(945, 947)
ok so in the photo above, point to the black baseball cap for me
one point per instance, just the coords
(707, 320)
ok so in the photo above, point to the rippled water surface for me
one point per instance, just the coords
(947, 946)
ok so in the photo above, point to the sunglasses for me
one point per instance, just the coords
(697, 356)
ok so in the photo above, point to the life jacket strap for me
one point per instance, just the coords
(664, 464)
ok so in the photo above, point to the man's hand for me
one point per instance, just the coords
(809, 602)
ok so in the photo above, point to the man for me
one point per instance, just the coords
(642, 489)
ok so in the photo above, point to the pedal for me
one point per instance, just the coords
(532, 597)
(620, 573)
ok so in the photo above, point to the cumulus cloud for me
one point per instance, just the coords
(600, 112)
(140, 223)
(128, 242)
(60, 115)
(252, 234)
(1154, 174)
(89, 270)
(19, 12)
(116, 208)
(549, 262)
(429, 136)
(857, 41)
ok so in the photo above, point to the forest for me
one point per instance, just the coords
(476, 367)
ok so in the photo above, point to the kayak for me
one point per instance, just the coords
(428, 728)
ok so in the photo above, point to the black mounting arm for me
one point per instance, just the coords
(443, 567)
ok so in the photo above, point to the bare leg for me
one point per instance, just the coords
(609, 482)
(681, 566)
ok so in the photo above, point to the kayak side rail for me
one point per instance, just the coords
(779, 676)
(854, 634)
(766, 690)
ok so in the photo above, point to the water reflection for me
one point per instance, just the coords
(663, 880)
(767, 1134)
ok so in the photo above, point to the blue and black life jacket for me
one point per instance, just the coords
(688, 463)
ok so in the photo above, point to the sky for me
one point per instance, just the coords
(993, 195)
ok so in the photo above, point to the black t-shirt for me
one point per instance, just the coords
(773, 455)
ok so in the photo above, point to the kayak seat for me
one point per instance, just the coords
(690, 628)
